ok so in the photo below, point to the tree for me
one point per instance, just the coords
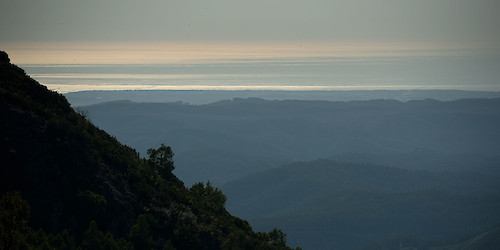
(207, 198)
(14, 214)
(95, 239)
(161, 159)
(140, 233)
(277, 238)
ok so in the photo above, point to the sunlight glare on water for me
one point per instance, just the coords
(70, 67)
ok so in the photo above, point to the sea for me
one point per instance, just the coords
(73, 67)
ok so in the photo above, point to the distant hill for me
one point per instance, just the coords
(199, 97)
(229, 139)
(422, 159)
(326, 204)
(66, 183)
(485, 241)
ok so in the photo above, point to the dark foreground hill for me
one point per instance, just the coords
(61, 174)
(326, 204)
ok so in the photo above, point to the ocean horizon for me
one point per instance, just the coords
(258, 66)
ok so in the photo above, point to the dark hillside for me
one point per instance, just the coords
(75, 176)
(50, 153)
(327, 204)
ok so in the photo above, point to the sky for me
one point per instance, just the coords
(430, 43)
(426, 21)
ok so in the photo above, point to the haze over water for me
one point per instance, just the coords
(257, 65)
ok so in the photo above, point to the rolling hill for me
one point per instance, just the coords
(326, 204)
(229, 139)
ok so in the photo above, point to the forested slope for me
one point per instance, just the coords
(66, 183)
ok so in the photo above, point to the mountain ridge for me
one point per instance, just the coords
(292, 130)
(73, 180)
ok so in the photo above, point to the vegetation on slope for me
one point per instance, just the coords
(326, 204)
(65, 184)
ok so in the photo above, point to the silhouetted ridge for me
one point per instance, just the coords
(76, 181)
(4, 58)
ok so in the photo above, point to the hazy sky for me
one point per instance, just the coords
(429, 43)
(457, 21)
